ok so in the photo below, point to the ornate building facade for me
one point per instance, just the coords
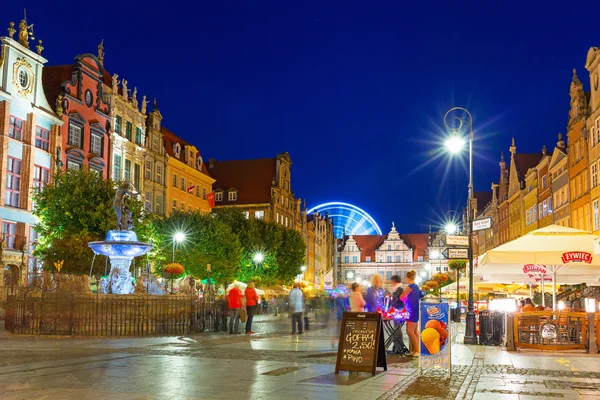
(558, 171)
(545, 200)
(128, 133)
(362, 256)
(77, 93)
(188, 180)
(260, 187)
(578, 157)
(29, 135)
(592, 64)
(320, 248)
(155, 164)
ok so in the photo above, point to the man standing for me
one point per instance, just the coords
(296, 303)
(235, 305)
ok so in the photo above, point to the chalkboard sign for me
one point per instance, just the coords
(361, 344)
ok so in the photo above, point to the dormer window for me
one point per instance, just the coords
(218, 196)
(177, 149)
(232, 195)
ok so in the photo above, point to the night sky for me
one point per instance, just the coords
(354, 91)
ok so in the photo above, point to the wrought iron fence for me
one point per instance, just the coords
(63, 313)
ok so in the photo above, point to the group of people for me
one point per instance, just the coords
(235, 302)
(402, 298)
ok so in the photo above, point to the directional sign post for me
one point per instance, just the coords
(454, 240)
(456, 254)
(481, 224)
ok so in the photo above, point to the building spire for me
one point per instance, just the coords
(101, 52)
(513, 147)
(575, 80)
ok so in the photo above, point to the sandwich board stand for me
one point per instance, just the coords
(435, 339)
(361, 344)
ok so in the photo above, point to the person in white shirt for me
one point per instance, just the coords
(357, 303)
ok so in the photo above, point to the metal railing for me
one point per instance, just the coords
(62, 313)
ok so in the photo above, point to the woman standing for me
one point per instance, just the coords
(357, 303)
(251, 304)
(411, 297)
(374, 295)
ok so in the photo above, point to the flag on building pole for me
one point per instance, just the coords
(191, 189)
(211, 199)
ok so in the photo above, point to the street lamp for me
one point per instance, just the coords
(451, 228)
(258, 258)
(454, 144)
(178, 237)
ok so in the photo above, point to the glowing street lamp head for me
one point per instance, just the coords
(350, 275)
(435, 254)
(179, 237)
(451, 228)
(258, 257)
(455, 144)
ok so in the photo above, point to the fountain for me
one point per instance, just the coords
(121, 246)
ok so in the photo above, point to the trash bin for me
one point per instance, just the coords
(497, 319)
(453, 314)
(485, 328)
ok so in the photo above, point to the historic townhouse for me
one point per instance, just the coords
(592, 64)
(127, 136)
(362, 256)
(545, 203)
(578, 157)
(486, 205)
(530, 200)
(519, 166)
(558, 170)
(30, 138)
(188, 183)
(76, 91)
(260, 187)
(503, 221)
(320, 248)
(155, 165)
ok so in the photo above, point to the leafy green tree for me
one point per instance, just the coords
(77, 207)
(207, 240)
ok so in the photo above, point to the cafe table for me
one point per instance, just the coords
(393, 330)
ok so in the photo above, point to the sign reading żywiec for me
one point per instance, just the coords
(434, 335)
(577, 256)
(481, 224)
(454, 240)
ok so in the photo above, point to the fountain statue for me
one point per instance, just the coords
(121, 246)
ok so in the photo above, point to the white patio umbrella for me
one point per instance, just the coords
(540, 255)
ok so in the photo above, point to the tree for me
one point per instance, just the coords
(76, 208)
(207, 240)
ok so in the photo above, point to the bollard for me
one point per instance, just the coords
(510, 332)
(592, 346)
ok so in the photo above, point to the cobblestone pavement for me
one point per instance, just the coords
(274, 365)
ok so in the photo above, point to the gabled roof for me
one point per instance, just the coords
(368, 244)
(525, 161)
(53, 78)
(252, 178)
(483, 199)
(170, 138)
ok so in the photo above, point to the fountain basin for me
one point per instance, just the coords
(120, 244)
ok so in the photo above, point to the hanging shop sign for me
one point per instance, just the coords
(455, 240)
(481, 224)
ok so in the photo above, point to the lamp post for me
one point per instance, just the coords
(178, 237)
(454, 144)
(451, 229)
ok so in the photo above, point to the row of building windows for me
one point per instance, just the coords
(158, 172)
(191, 188)
(128, 130)
(231, 195)
(75, 139)
(388, 259)
(15, 131)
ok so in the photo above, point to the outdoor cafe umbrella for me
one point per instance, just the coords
(541, 255)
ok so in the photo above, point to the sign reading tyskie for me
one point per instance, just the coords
(361, 344)
(577, 256)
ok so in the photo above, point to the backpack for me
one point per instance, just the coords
(397, 302)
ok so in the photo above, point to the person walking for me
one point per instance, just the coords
(251, 306)
(296, 304)
(374, 297)
(235, 306)
(357, 303)
(398, 304)
(411, 297)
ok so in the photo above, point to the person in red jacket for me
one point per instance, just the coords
(251, 305)
(235, 305)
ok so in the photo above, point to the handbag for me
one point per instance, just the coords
(243, 315)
